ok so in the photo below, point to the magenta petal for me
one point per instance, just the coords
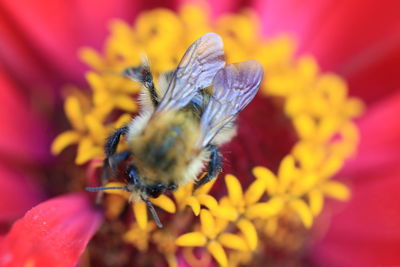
(291, 16)
(23, 136)
(18, 193)
(40, 39)
(374, 74)
(359, 39)
(380, 137)
(54, 233)
(366, 231)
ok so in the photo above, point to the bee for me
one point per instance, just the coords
(182, 124)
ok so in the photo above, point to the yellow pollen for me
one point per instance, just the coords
(276, 209)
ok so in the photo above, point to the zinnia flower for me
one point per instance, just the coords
(292, 140)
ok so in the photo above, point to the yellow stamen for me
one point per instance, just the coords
(140, 211)
(234, 190)
(165, 203)
(271, 182)
(304, 212)
(195, 239)
(138, 236)
(233, 241)
(335, 190)
(74, 113)
(63, 140)
(207, 224)
(216, 250)
(249, 232)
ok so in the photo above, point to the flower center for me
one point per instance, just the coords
(303, 145)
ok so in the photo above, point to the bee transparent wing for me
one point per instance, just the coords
(233, 88)
(195, 71)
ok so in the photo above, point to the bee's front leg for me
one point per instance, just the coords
(109, 149)
(113, 141)
(214, 166)
(112, 159)
(116, 159)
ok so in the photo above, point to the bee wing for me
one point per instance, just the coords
(234, 87)
(195, 71)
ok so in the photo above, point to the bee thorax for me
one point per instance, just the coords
(165, 148)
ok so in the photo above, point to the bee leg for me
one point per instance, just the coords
(153, 93)
(110, 148)
(116, 159)
(143, 75)
(110, 164)
(111, 159)
(214, 166)
(112, 141)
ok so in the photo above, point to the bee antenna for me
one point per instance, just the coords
(101, 188)
(153, 212)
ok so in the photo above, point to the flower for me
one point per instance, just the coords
(319, 117)
(317, 154)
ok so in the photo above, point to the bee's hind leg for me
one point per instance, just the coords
(214, 166)
(143, 75)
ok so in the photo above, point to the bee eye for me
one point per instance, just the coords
(155, 190)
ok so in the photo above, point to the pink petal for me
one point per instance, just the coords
(40, 39)
(366, 231)
(18, 193)
(290, 16)
(374, 74)
(23, 134)
(380, 136)
(54, 233)
(359, 39)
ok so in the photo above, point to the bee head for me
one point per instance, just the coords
(155, 190)
(145, 188)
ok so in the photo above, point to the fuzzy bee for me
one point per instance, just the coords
(182, 124)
